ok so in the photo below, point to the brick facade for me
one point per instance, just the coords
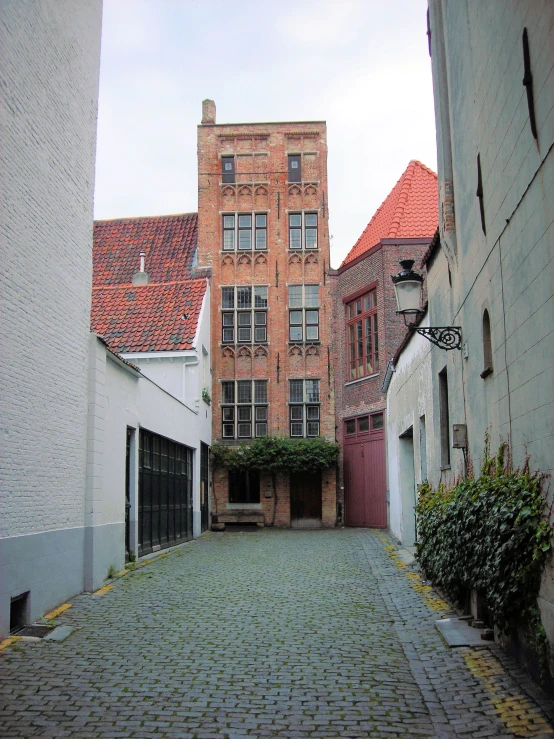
(372, 270)
(261, 186)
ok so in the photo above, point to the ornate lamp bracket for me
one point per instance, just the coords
(445, 337)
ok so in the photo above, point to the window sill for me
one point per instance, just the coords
(446, 467)
(245, 251)
(308, 341)
(486, 372)
(301, 251)
(245, 343)
(244, 506)
(362, 379)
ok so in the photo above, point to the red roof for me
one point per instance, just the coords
(168, 241)
(148, 318)
(410, 211)
(160, 316)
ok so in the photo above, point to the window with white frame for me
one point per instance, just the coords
(303, 313)
(304, 407)
(244, 409)
(244, 314)
(302, 230)
(244, 231)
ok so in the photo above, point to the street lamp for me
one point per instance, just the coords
(408, 285)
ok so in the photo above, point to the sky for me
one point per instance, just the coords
(361, 65)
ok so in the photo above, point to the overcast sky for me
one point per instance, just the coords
(361, 65)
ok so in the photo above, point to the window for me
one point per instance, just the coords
(244, 486)
(377, 421)
(295, 168)
(302, 230)
(243, 322)
(303, 411)
(303, 313)
(362, 336)
(350, 427)
(244, 409)
(242, 230)
(228, 169)
(487, 346)
(444, 419)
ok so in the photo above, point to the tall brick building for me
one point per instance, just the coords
(402, 228)
(263, 230)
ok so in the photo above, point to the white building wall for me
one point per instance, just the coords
(409, 400)
(477, 60)
(182, 375)
(49, 67)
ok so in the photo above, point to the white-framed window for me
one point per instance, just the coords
(244, 231)
(302, 230)
(244, 409)
(303, 313)
(244, 314)
(304, 405)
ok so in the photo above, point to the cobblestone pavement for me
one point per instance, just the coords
(265, 634)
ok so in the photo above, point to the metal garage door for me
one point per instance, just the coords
(165, 492)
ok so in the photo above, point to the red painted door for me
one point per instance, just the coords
(365, 501)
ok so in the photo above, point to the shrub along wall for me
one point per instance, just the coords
(277, 454)
(490, 534)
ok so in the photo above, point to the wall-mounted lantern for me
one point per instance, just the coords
(408, 285)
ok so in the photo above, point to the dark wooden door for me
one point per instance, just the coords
(204, 485)
(165, 492)
(365, 482)
(305, 499)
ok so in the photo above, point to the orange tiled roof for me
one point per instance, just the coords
(148, 318)
(168, 241)
(410, 211)
(163, 315)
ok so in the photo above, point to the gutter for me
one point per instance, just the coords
(388, 376)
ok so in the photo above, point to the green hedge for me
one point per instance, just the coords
(488, 533)
(278, 454)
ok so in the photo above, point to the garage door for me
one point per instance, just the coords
(165, 492)
(365, 496)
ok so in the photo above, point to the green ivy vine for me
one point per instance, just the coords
(489, 533)
(277, 454)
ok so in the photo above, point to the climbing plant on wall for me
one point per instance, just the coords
(277, 454)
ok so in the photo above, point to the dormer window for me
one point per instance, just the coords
(295, 169)
(228, 169)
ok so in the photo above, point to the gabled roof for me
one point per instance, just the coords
(410, 211)
(168, 241)
(160, 316)
(148, 318)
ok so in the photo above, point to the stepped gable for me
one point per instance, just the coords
(410, 211)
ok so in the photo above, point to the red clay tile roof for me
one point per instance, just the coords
(168, 241)
(410, 211)
(163, 315)
(148, 318)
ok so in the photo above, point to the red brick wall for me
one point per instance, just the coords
(376, 268)
(261, 165)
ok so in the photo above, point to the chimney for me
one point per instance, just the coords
(141, 277)
(208, 111)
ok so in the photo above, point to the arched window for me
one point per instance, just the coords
(487, 345)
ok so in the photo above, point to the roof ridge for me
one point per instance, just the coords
(407, 176)
(127, 285)
(144, 218)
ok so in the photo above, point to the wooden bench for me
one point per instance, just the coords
(219, 520)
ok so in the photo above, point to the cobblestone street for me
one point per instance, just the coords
(265, 634)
